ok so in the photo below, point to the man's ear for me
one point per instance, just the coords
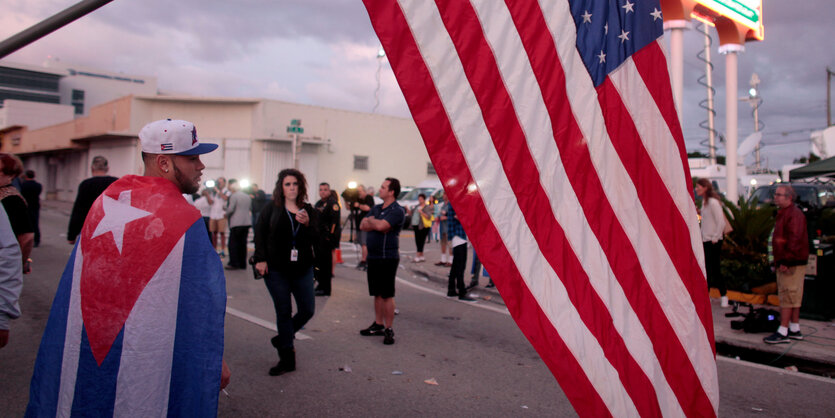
(164, 163)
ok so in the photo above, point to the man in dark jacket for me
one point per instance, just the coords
(88, 191)
(328, 239)
(31, 191)
(790, 247)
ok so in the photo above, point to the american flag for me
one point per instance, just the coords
(552, 127)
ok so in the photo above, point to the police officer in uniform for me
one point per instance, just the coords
(328, 239)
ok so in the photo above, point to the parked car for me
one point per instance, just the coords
(404, 190)
(431, 188)
(810, 196)
(816, 200)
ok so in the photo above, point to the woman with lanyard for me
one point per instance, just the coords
(284, 242)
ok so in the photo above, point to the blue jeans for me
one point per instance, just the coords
(280, 287)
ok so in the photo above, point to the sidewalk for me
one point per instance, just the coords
(818, 346)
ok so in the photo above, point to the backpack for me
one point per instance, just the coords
(758, 320)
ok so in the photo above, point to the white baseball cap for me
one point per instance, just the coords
(168, 136)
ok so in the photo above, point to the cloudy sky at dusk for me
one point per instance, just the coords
(324, 52)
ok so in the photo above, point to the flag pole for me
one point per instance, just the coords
(51, 24)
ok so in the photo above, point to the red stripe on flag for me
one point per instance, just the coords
(604, 222)
(655, 198)
(429, 115)
(482, 71)
(652, 66)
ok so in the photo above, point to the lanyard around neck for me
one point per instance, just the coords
(293, 225)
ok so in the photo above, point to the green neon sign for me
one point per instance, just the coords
(744, 12)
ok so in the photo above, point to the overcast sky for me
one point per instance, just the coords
(323, 52)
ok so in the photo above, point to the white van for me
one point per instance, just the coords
(430, 188)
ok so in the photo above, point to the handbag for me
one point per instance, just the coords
(427, 222)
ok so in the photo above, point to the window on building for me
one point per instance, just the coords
(78, 101)
(360, 162)
(430, 169)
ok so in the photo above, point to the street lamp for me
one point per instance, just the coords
(755, 100)
(380, 55)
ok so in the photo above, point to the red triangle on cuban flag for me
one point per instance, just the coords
(129, 232)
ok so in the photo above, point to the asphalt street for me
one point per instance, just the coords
(450, 358)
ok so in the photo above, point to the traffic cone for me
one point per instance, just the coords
(338, 256)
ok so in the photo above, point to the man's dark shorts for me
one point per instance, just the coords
(381, 273)
(362, 236)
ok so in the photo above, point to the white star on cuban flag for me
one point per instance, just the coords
(117, 213)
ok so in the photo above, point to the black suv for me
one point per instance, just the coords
(816, 200)
(810, 196)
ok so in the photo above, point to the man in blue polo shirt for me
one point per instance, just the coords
(383, 224)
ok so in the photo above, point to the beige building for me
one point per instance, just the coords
(335, 146)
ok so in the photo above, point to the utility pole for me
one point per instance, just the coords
(754, 100)
(754, 94)
(829, 74)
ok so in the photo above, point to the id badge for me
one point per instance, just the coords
(294, 255)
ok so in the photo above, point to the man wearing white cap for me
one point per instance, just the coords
(136, 326)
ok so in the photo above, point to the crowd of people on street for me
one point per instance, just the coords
(100, 307)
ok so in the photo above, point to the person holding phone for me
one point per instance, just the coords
(285, 235)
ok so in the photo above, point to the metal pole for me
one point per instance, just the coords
(829, 74)
(295, 138)
(711, 132)
(757, 129)
(677, 62)
(51, 24)
(731, 124)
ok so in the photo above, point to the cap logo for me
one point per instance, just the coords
(193, 135)
(166, 147)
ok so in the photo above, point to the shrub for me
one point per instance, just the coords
(744, 260)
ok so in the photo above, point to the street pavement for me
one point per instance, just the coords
(817, 347)
(450, 358)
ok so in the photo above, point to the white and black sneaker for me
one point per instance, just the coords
(795, 335)
(374, 329)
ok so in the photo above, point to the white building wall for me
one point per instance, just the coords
(123, 157)
(103, 86)
(33, 115)
(393, 145)
(236, 158)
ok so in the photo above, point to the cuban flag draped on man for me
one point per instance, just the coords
(136, 327)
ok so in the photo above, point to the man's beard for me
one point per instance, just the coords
(186, 185)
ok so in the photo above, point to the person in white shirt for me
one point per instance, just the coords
(204, 205)
(712, 226)
(217, 219)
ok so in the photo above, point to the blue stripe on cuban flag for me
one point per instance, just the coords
(605, 35)
(171, 316)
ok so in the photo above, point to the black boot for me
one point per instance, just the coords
(286, 362)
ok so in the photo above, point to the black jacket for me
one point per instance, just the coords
(274, 240)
